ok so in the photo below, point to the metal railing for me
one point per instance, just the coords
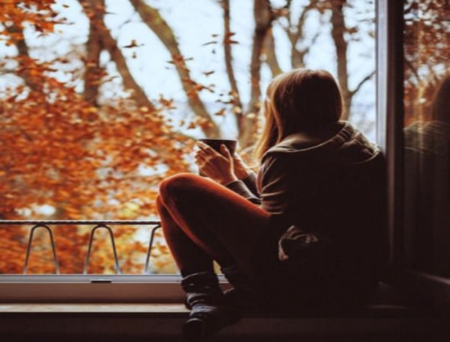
(96, 225)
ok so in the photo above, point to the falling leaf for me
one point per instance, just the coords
(210, 43)
(230, 41)
(133, 44)
(237, 110)
(220, 112)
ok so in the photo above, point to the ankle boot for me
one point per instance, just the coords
(208, 313)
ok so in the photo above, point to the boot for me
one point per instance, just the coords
(208, 313)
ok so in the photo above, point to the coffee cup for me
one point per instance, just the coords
(215, 144)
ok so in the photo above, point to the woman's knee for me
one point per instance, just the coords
(159, 205)
(177, 185)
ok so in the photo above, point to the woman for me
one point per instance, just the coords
(306, 232)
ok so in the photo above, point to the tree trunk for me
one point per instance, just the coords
(110, 44)
(296, 34)
(163, 31)
(263, 21)
(95, 11)
(237, 110)
(17, 37)
(337, 32)
(271, 57)
(100, 38)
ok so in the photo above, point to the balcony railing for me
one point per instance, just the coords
(95, 225)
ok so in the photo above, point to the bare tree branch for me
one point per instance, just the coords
(95, 11)
(129, 82)
(100, 38)
(337, 32)
(361, 83)
(17, 37)
(229, 60)
(288, 4)
(163, 31)
(7, 71)
(263, 18)
(412, 69)
(271, 57)
(296, 34)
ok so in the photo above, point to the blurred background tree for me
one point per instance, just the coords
(427, 37)
(87, 133)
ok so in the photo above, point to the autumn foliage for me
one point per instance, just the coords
(82, 160)
(426, 48)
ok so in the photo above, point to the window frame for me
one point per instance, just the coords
(418, 287)
(90, 288)
(389, 16)
(166, 288)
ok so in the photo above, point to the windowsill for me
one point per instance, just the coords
(133, 321)
(143, 320)
(92, 288)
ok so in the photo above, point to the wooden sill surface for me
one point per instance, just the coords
(165, 320)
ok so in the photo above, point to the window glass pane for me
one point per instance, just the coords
(102, 99)
(427, 135)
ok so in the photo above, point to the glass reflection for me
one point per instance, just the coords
(427, 153)
(427, 136)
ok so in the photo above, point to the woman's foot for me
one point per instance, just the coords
(207, 320)
(209, 312)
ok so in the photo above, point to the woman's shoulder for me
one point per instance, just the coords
(344, 144)
(310, 140)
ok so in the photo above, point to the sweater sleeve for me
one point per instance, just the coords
(250, 182)
(275, 189)
(246, 188)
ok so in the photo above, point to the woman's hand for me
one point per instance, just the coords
(241, 170)
(218, 167)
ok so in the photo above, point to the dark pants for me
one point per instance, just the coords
(204, 221)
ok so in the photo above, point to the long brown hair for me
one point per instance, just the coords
(297, 101)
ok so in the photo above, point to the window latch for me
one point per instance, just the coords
(101, 281)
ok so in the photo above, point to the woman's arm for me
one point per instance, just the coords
(244, 188)
(276, 192)
(250, 182)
